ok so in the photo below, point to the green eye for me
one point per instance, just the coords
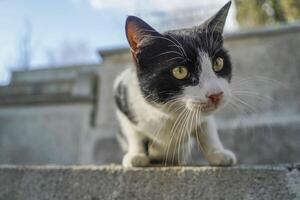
(180, 72)
(218, 64)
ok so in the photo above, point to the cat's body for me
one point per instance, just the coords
(168, 98)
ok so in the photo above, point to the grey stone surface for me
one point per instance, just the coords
(44, 134)
(115, 182)
(47, 121)
(50, 74)
(266, 143)
(78, 89)
(267, 67)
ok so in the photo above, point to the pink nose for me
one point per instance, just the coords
(215, 98)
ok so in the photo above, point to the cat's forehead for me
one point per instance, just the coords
(197, 39)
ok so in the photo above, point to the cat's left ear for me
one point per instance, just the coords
(217, 22)
(137, 30)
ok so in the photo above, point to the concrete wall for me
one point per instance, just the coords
(115, 182)
(43, 134)
(44, 120)
(269, 61)
(265, 131)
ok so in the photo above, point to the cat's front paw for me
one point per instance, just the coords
(135, 160)
(222, 157)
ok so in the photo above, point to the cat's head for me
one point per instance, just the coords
(189, 66)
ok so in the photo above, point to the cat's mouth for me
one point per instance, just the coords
(204, 107)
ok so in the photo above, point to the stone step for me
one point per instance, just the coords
(114, 182)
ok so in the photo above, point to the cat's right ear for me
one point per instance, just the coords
(217, 22)
(136, 31)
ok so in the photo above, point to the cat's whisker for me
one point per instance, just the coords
(172, 132)
(174, 111)
(174, 58)
(181, 133)
(215, 51)
(202, 145)
(168, 52)
(238, 110)
(180, 45)
(178, 138)
(197, 136)
(217, 48)
(253, 95)
(158, 131)
(155, 136)
(167, 39)
(198, 125)
(169, 105)
(206, 38)
(192, 127)
(245, 105)
(255, 80)
(212, 34)
(181, 136)
(253, 92)
(161, 37)
(186, 141)
(243, 113)
(216, 44)
(264, 79)
(181, 125)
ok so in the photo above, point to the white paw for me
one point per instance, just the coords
(135, 160)
(222, 157)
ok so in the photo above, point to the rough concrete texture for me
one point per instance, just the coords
(266, 143)
(43, 134)
(115, 182)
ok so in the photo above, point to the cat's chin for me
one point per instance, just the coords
(209, 110)
(204, 108)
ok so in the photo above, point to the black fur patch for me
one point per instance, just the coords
(157, 56)
(146, 143)
(121, 99)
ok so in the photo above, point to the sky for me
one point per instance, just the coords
(98, 24)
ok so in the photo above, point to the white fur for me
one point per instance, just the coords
(209, 82)
(171, 132)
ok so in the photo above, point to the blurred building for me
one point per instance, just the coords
(66, 115)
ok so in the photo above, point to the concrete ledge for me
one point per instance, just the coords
(263, 31)
(115, 182)
(78, 90)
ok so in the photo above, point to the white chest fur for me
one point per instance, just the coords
(169, 136)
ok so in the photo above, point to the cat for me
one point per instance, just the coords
(167, 100)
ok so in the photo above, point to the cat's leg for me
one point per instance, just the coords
(165, 155)
(211, 146)
(136, 154)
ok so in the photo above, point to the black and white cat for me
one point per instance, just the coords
(181, 77)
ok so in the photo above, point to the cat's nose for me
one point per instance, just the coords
(215, 97)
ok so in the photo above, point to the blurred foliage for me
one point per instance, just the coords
(262, 12)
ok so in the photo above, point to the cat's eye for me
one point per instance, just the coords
(180, 72)
(218, 64)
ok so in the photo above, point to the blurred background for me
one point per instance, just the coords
(58, 60)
